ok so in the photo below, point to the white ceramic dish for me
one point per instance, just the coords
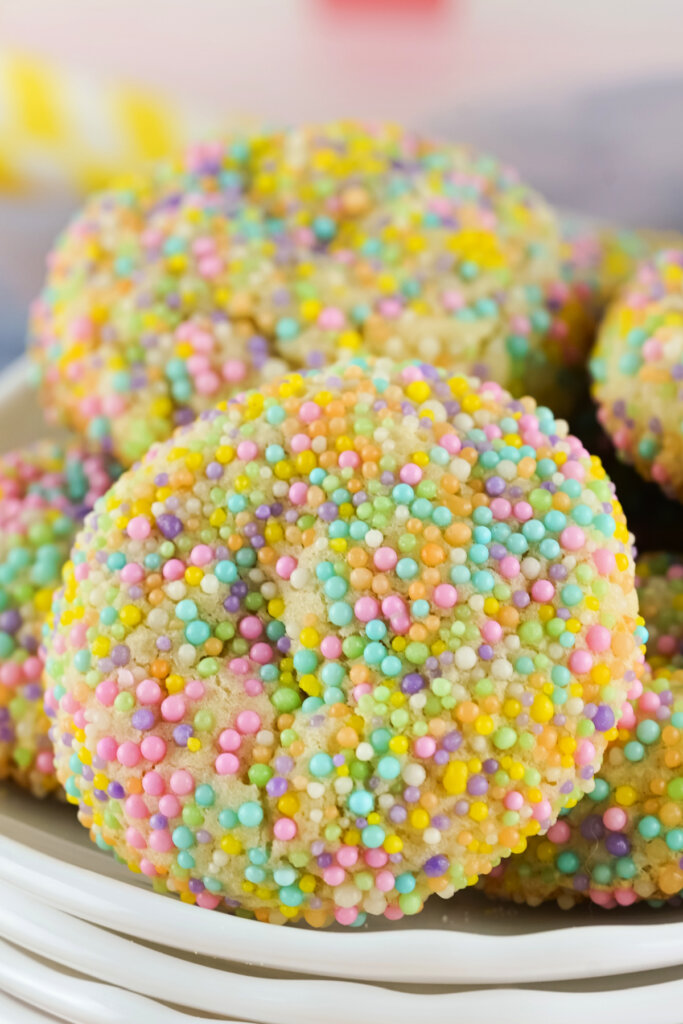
(46, 854)
(62, 903)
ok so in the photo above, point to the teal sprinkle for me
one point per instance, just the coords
(321, 765)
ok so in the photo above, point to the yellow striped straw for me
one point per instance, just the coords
(59, 129)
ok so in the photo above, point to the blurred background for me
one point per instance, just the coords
(586, 99)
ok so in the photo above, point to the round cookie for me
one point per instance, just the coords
(173, 290)
(659, 580)
(624, 841)
(343, 643)
(637, 369)
(45, 491)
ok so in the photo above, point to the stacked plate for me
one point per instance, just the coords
(82, 941)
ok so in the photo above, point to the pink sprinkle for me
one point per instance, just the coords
(347, 856)
(181, 782)
(132, 573)
(253, 687)
(298, 493)
(542, 811)
(492, 631)
(451, 442)
(628, 717)
(615, 819)
(194, 689)
(509, 567)
(107, 692)
(251, 627)
(349, 458)
(376, 858)
(334, 875)
(410, 473)
(227, 764)
(152, 782)
(135, 839)
(604, 561)
(331, 319)
(207, 900)
(513, 800)
(625, 897)
(598, 638)
(560, 832)
(284, 829)
(139, 528)
(331, 647)
(170, 805)
(201, 554)
(234, 370)
(300, 443)
(400, 623)
(424, 746)
(148, 692)
(174, 569)
(45, 762)
(153, 748)
(345, 915)
(136, 807)
(572, 538)
(445, 595)
(261, 653)
(365, 609)
(248, 722)
(128, 754)
(207, 383)
(452, 299)
(147, 867)
(384, 881)
(33, 668)
(542, 591)
(247, 450)
(161, 841)
(385, 559)
(393, 605)
(585, 752)
(500, 508)
(649, 702)
(522, 511)
(229, 740)
(106, 748)
(309, 412)
(393, 912)
(602, 899)
(285, 566)
(173, 708)
(580, 662)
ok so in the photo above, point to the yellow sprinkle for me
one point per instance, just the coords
(454, 778)
(130, 615)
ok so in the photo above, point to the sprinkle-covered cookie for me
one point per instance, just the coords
(343, 643)
(624, 841)
(637, 369)
(45, 491)
(171, 291)
(659, 579)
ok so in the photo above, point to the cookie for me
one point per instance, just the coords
(623, 842)
(637, 370)
(173, 290)
(659, 579)
(343, 643)
(45, 491)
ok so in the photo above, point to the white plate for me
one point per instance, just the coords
(468, 940)
(61, 900)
